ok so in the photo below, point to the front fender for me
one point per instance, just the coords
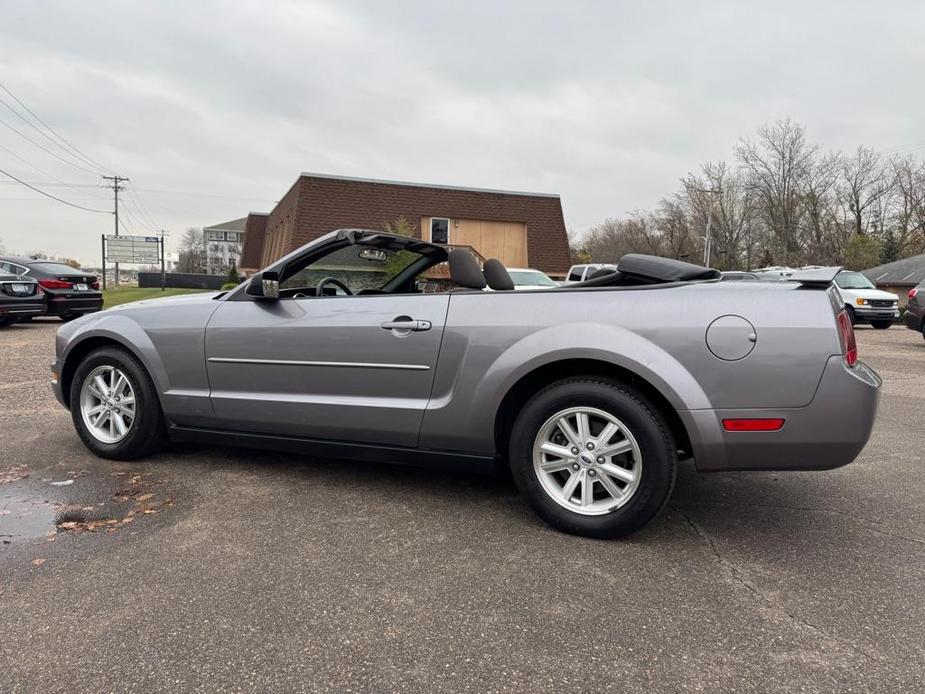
(119, 329)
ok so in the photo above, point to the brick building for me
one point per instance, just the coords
(522, 229)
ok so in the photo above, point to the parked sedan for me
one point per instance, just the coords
(915, 309)
(20, 299)
(69, 292)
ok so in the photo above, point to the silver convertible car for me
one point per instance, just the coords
(588, 393)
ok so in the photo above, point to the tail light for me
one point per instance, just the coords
(55, 284)
(95, 285)
(913, 292)
(849, 346)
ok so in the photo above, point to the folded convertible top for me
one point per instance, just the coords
(654, 268)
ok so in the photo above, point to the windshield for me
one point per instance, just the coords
(530, 278)
(853, 280)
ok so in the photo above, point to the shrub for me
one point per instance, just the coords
(229, 285)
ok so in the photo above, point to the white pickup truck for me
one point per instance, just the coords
(864, 302)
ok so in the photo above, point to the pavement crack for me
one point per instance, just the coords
(865, 523)
(735, 575)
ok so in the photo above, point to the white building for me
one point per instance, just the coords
(222, 244)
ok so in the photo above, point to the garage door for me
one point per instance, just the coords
(506, 241)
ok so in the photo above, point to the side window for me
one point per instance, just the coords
(361, 269)
(575, 273)
(439, 230)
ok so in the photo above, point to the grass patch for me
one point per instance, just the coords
(125, 295)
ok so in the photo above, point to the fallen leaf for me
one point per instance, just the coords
(128, 519)
(70, 525)
(88, 508)
(38, 562)
(150, 510)
(62, 483)
(144, 497)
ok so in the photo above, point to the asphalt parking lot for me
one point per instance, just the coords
(231, 570)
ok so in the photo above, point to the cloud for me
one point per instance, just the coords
(607, 104)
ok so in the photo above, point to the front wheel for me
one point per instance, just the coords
(114, 406)
(592, 457)
(881, 324)
(851, 315)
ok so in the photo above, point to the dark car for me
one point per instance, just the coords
(69, 292)
(20, 299)
(915, 309)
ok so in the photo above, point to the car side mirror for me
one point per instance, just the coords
(264, 285)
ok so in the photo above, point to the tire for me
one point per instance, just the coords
(145, 431)
(854, 318)
(6, 320)
(881, 324)
(651, 462)
(68, 316)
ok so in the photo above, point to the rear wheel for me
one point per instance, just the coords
(114, 406)
(881, 324)
(592, 457)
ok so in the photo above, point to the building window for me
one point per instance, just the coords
(439, 230)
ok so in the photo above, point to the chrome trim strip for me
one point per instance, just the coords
(341, 364)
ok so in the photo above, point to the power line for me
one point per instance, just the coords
(52, 130)
(76, 187)
(49, 195)
(45, 149)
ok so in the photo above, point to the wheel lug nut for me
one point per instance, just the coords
(575, 466)
(591, 473)
(600, 460)
(575, 451)
(590, 446)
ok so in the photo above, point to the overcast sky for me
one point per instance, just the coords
(605, 103)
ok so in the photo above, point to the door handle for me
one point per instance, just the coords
(407, 325)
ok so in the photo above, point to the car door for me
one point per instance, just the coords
(350, 368)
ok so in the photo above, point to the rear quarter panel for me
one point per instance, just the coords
(492, 340)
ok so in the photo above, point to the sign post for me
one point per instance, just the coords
(103, 239)
(134, 250)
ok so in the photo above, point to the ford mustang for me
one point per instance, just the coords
(367, 345)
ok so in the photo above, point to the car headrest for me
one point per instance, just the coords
(464, 269)
(496, 275)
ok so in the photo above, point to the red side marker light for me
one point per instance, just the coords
(753, 424)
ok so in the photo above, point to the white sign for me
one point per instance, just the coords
(142, 250)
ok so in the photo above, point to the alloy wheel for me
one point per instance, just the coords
(587, 460)
(107, 404)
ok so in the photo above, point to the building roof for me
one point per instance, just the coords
(307, 174)
(908, 271)
(233, 225)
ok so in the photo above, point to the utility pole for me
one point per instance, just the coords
(708, 239)
(116, 187)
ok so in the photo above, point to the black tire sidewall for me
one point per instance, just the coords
(881, 324)
(148, 425)
(652, 435)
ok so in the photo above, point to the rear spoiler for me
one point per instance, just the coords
(817, 278)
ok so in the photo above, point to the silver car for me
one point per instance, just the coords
(589, 394)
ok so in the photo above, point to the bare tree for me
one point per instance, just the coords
(774, 166)
(192, 251)
(909, 208)
(822, 238)
(864, 183)
(722, 193)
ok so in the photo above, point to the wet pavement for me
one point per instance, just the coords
(229, 570)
